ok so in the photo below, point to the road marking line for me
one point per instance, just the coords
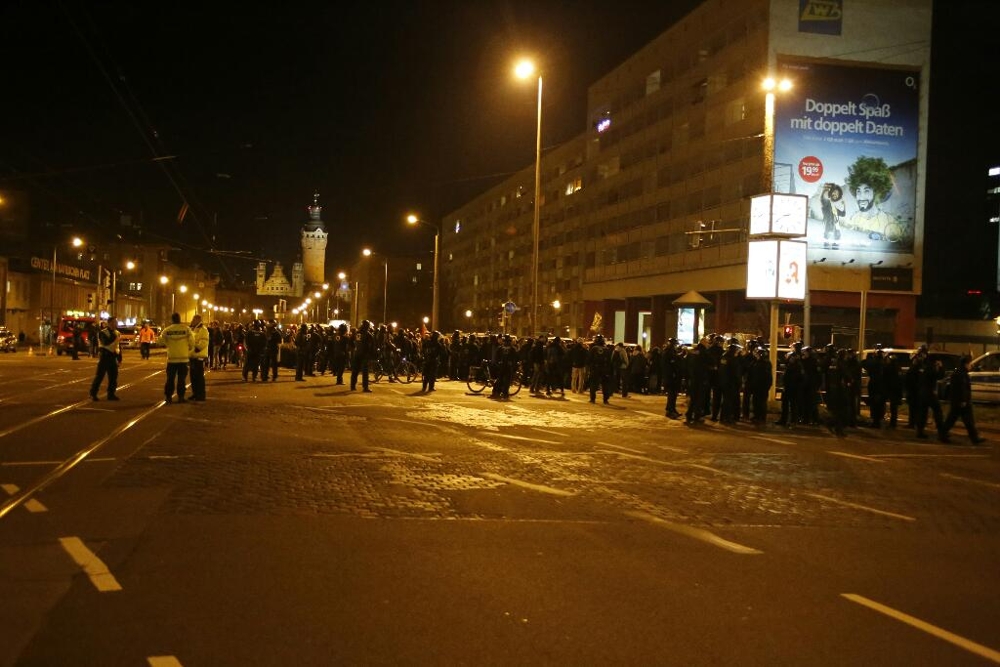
(973, 481)
(163, 661)
(627, 449)
(32, 505)
(931, 456)
(940, 633)
(555, 433)
(527, 485)
(862, 507)
(408, 421)
(650, 414)
(697, 533)
(412, 455)
(857, 456)
(780, 442)
(672, 464)
(93, 566)
(521, 437)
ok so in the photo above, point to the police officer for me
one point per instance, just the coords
(179, 342)
(671, 375)
(432, 351)
(697, 363)
(599, 369)
(109, 355)
(364, 349)
(874, 365)
(759, 384)
(729, 381)
(341, 349)
(199, 354)
(793, 383)
(272, 350)
(256, 345)
(506, 362)
(960, 398)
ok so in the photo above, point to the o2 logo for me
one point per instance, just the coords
(810, 169)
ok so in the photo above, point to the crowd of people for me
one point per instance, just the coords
(724, 381)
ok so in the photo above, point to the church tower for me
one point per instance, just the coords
(314, 245)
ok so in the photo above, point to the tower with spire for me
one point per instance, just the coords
(314, 237)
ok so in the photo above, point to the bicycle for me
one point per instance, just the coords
(481, 377)
(407, 371)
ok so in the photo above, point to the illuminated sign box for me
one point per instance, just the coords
(777, 214)
(776, 269)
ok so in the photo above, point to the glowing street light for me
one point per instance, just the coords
(368, 252)
(415, 220)
(524, 70)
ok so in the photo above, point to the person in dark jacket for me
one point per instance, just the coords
(271, 350)
(698, 382)
(341, 349)
(109, 349)
(924, 376)
(364, 350)
(671, 375)
(960, 399)
(874, 365)
(759, 384)
(432, 352)
(256, 347)
(599, 369)
(554, 353)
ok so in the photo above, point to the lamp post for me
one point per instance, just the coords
(368, 252)
(524, 70)
(76, 243)
(414, 220)
(770, 85)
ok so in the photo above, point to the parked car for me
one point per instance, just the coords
(8, 340)
(984, 374)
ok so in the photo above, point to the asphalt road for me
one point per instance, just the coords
(304, 524)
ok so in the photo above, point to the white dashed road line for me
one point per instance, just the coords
(775, 440)
(991, 485)
(961, 642)
(864, 508)
(93, 566)
(527, 485)
(857, 456)
(521, 437)
(697, 533)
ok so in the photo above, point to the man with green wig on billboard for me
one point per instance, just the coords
(870, 181)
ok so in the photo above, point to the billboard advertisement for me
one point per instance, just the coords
(845, 136)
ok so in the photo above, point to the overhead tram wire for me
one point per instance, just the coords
(133, 114)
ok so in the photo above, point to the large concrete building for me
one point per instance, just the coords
(652, 200)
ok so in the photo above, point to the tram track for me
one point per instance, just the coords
(64, 464)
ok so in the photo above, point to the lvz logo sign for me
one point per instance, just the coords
(821, 16)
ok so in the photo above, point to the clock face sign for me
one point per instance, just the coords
(788, 214)
(778, 214)
(760, 214)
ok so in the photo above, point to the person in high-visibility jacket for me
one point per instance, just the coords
(199, 355)
(179, 342)
(147, 336)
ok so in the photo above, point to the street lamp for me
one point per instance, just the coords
(524, 70)
(770, 85)
(76, 243)
(368, 252)
(414, 220)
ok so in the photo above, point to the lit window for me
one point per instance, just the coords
(653, 82)
(420, 266)
(574, 186)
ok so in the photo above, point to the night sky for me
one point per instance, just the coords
(381, 107)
